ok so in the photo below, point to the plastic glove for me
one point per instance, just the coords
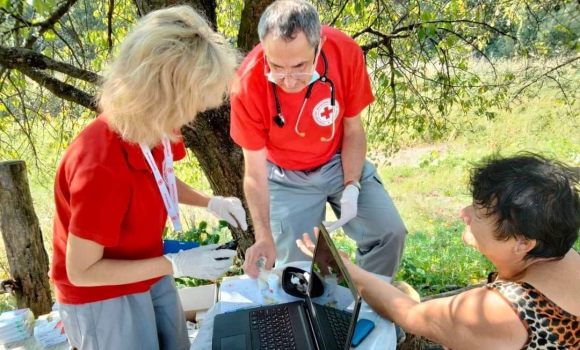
(201, 262)
(229, 209)
(348, 208)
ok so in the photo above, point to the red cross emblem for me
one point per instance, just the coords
(327, 113)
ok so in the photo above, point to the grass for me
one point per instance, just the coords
(427, 181)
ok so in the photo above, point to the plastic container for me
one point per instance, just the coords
(273, 284)
(171, 246)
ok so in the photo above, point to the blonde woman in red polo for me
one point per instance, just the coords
(115, 187)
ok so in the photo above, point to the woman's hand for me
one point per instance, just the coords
(324, 258)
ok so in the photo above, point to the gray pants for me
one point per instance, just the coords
(298, 203)
(150, 320)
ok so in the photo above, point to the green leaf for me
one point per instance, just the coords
(43, 6)
(421, 34)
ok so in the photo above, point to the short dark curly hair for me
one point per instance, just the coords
(533, 197)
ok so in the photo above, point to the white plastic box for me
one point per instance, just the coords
(197, 300)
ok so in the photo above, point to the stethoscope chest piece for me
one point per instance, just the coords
(279, 120)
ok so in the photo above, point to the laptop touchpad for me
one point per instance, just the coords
(235, 342)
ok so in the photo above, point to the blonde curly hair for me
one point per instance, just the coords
(170, 67)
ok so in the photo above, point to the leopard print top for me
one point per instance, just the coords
(549, 327)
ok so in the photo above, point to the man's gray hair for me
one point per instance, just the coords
(286, 18)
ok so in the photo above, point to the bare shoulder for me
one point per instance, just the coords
(467, 320)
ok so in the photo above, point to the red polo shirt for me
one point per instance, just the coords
(105, 192)
(253, 106)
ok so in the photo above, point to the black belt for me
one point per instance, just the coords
(313, 170)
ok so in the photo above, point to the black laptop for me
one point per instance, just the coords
(314, 323)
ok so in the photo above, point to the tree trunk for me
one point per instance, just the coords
(23, 239)
(208, 137)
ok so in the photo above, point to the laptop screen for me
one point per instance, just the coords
(339, 290)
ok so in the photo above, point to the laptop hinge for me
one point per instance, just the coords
(311, 326)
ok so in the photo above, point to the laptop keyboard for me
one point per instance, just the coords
(339, 324)
(274, 327)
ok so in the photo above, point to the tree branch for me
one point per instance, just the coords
(385, 38)
(338, 14)
(50, 22)
(110, 24)
(24, 58)
(414, 26)
(573, 59)
(59, 88)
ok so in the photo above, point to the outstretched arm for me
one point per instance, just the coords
(476, 319)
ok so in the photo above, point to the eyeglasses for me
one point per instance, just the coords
(294, 75)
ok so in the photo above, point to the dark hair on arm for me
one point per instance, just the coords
(533, 198)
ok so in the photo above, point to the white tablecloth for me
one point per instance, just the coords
(383, 335)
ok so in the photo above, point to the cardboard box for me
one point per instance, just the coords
(197, 300)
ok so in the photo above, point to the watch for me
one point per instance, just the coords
(354, 183)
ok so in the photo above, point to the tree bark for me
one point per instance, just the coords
(23, 239)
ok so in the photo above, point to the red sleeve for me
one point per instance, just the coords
(99, 199)
(360, 93)
(247, 124)
(178, 150)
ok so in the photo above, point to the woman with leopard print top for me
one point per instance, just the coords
(525, 218)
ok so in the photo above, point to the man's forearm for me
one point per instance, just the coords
(354, 150)
(257, 195)
(117, 272)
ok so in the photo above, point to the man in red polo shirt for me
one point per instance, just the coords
(115, 187)
(296, 105)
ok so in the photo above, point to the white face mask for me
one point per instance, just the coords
(315, 77)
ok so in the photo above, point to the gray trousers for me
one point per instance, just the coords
(298, 204)
(150, 320)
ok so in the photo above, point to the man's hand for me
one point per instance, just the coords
(201, 262)
(263, 248)
(348, 208)
(229, 209)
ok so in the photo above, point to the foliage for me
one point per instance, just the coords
(431, 58)
(198, 234)
(7, 302)
(426, 58)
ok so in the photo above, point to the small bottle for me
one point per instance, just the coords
(273, 285)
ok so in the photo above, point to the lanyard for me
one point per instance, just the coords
(166, 183)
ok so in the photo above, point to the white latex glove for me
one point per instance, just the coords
(348, 208)
(201, 262)
(229, 209)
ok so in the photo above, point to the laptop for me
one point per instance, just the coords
(311, 324)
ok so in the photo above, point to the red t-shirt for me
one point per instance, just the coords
(253, 105)
(105, 192)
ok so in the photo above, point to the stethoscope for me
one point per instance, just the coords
(279, 118)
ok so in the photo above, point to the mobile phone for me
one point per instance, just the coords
(232, 245)
(361, 330)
